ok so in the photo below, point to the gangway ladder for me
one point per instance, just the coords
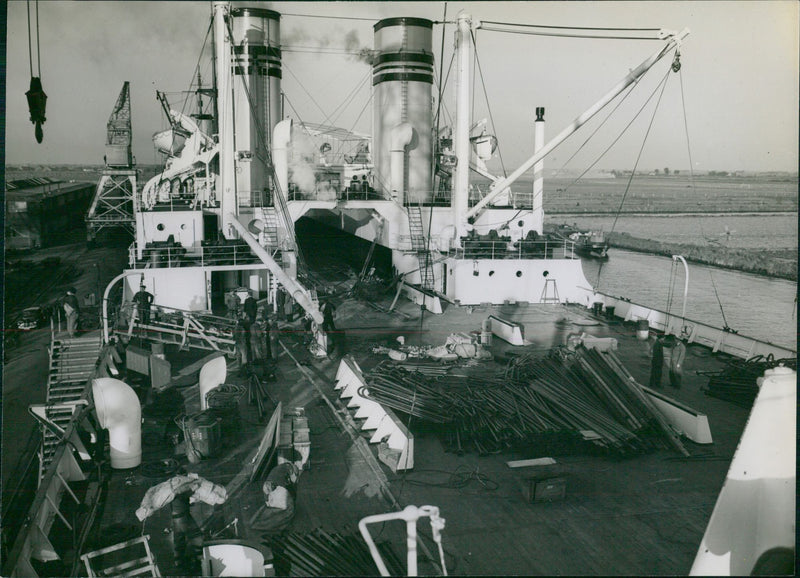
(72, 365)
(419, 245)
(550, 292)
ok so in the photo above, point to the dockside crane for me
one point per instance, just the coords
(115, 199)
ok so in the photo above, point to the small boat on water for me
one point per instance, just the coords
(591, 244)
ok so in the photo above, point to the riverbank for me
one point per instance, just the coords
(777, 263)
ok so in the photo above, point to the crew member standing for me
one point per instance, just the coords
(241, 335)
(72, 310)
(251, 307)
(143, 300)
(676, 361)
(657, 364)
(256, 339)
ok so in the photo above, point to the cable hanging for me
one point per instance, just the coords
(486, 96)
(692, 185)
(636, 164)
(37, 99)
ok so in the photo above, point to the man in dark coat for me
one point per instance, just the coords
(657, 365)
(72, 310)
(251, 307)
(143, 300)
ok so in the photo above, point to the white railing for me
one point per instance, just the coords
(523, 249)
(207, 255)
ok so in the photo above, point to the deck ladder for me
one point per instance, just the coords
(72, 365)
(550, 292)
(271, 228)
(419, 245)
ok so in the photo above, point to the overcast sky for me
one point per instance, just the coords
(738, 81)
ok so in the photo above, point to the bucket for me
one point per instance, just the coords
(486, 338)
(642, 329)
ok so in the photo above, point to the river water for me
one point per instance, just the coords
(753, 305)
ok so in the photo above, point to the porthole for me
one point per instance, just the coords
(519, 273)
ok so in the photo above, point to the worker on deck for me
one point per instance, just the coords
(258, 339)
(250, 307)
(241, 335)
(657, 363)
(143, 300)
(72, 311)
(674, 354)
(327, 309)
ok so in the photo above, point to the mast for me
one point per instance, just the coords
(226, 185)
(461, 142)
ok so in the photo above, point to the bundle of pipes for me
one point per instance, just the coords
(321, 554)
(535, 399)
(737, 382)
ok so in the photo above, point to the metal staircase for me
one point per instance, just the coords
(419, 245)
(271, 228)
(72, 365)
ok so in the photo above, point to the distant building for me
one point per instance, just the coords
(40, 211)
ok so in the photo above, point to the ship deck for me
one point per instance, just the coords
(640, 515)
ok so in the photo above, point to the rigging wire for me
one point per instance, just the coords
(30, 48)
(570, 27)
(692, 184)
(622, 132)
(197, 69)
(306, 90)
(562, 35)
(441, 105)
(594, 132)
(486, 96)
(636, 164)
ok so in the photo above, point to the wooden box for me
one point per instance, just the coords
(544, 489)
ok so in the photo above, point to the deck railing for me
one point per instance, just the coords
(207, 255)
(522, 249)
(503, 249)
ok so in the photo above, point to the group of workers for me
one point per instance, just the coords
(256, 335)
(669, 351)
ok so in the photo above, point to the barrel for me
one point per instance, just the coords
(642, 329)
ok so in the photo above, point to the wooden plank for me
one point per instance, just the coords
(532, 462)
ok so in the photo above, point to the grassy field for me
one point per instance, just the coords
(671, 194)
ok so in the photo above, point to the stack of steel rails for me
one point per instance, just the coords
(582, 395)
(319, 553)
(737, 383)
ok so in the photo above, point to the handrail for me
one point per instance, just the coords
(206, 255)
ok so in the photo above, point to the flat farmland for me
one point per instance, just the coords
(671, 194)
